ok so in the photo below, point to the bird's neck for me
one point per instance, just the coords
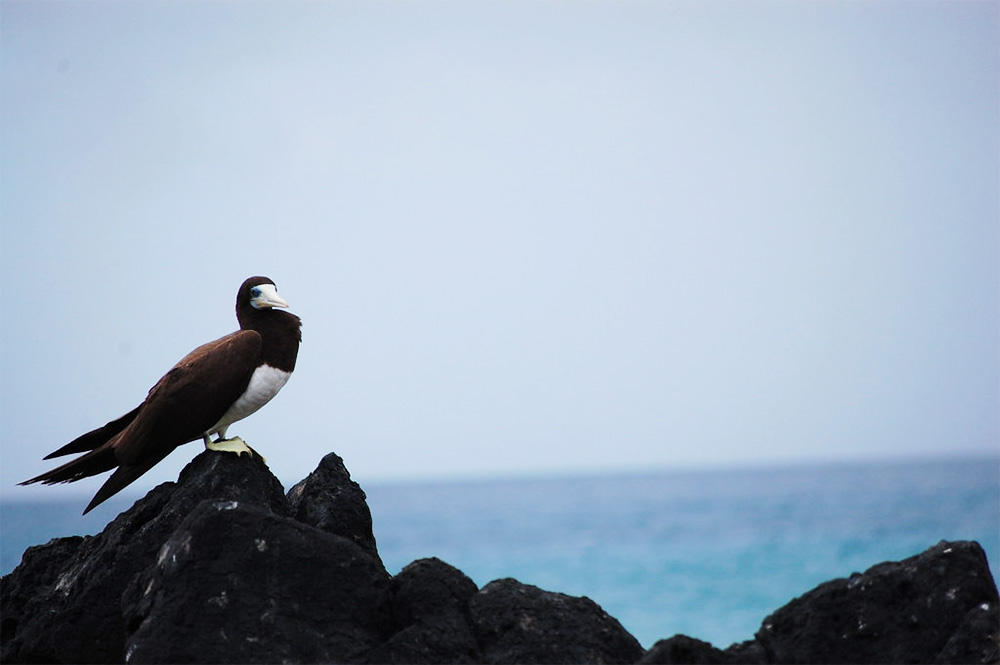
(281, 333)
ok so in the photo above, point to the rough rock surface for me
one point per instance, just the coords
(69, 611)
(910, 611)
(430, 607)
(684, 649)
(520, 623)
(223, 567)
(296, 594)
(329, 500)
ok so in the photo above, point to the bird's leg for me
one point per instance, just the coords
(233, 445)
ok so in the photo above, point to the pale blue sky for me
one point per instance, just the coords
(524, 237)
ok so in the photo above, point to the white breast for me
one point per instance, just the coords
(264, 384)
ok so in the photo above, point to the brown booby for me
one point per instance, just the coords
(211, 388)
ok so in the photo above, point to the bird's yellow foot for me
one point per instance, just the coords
(233, 445)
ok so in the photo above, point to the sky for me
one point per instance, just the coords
(523, 237)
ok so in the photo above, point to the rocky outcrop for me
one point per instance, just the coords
(329, 500)
(222, 566)
(63, 604)
(940, 606)
(684, 649)
(518, 623)
(898, 612)
(430, 608)
(296, 594)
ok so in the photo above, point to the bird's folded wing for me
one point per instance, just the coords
(190, 398)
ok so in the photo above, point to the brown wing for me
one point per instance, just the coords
(190, 398)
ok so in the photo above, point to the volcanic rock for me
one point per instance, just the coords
(329, 500)
(940, 603)
(63, 603)
(222, 567)
(238, 584)
(430, 603)
(520, 623)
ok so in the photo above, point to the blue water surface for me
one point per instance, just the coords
(708, 553)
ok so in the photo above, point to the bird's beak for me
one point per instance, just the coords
(274, 300)
(268, 298)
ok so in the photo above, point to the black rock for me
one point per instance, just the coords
(238, 584)
(222, 567)
(20, 594)
(329, 500)
(977, 639)
(70, 612)
(938, 603)
(520, 623)
(430, 601)
(447, 638)
(746, 653)
(681, 649)
(428, 588)
(227, 477)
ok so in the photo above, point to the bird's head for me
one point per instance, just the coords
(260, 293)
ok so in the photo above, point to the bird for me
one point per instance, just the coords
(209, 389)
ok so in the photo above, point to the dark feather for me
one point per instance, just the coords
(120, 479)
(190, 398)
(97, 437)
(187, 401)
(91, 464)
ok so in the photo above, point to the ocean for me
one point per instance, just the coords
(704, 553)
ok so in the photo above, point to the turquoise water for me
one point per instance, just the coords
(708, 553)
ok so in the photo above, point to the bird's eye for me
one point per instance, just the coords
(255, 292)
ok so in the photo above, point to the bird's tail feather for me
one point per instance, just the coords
(97, 437)
(91, 464)
(121, 478)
